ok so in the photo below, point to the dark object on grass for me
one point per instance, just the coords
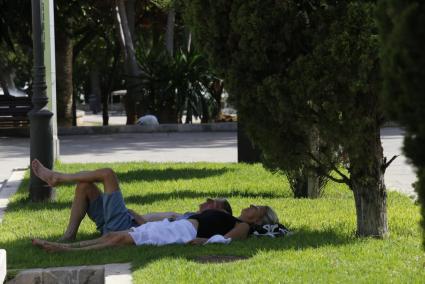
(270, 230)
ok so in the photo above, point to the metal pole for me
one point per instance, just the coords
(41, 134)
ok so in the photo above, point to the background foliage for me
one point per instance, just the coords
(402, 24)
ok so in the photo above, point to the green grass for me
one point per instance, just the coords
(322, 250)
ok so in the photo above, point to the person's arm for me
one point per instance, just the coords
(137, 217)
(239, 232)
(152, 217)
(198, 241)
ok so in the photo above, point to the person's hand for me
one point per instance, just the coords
(138, 218)
(198, 241)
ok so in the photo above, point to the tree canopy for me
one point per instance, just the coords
(300, 69)
(402, 25)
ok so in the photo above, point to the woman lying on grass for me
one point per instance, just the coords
(209, 226)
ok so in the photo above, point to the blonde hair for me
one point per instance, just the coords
(270, 217)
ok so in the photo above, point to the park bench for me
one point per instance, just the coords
(14, 111)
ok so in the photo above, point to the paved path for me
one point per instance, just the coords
(182, 147)
(154, 147)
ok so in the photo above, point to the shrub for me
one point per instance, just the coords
(304, 76)
(402, 26)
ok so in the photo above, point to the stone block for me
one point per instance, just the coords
(60, 276)
(32, 276)
(91, 275)
(118, 273)
(3, 265)
(96, 274)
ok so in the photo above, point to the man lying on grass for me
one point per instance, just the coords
(211, 225)
(108, 209)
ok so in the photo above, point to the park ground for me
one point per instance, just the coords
(323, 248)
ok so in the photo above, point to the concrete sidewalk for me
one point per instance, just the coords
(125, 147)
(178, 147)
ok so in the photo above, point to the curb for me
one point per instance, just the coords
(162, 128)
(10, 188)
(111, 129)
(108, 274)
(2, 265)
(6, 191)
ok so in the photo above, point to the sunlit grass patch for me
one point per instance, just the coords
(322, 249)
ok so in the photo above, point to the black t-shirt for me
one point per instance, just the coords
(214, 222)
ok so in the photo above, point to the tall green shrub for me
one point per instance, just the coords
(298, 70)
(402, 26)
(175, 85)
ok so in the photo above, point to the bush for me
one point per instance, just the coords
(402, 25)
(304, 77)
(175, 85)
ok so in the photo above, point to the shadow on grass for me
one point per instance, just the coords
(22, 254)
(170, 174)
(23, 202)
(163, 196)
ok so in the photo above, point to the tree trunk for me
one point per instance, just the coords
(189, 41)
(131, 67)
(95, 89)
(107, 86)
(216, 90)
(313, 180)
(299, 185)
(247, 153)
(169, 34)
(64, 86)
(367, 182)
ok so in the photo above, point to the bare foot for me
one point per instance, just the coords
(53, 248)
(49, 246)
(49, 176)
(66, 239)
(37, 242)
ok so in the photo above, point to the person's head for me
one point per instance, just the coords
(259, 215)
(216, 203)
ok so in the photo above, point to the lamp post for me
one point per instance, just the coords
(41, 134)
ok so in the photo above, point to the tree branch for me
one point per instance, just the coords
(387, 164)
(344, 179)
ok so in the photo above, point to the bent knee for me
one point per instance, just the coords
(87, 189)
(83, 186)
(110, 180)
(107, 172)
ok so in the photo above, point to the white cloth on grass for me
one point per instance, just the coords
(218, 239)
(163, 233)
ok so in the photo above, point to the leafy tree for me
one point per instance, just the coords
(305, 73)
(96, 55)
(402, 26)
(215, 37)
(175, 85)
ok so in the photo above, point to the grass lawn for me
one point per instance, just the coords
(323, 248)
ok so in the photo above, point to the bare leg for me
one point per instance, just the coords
(109, 240)
(84, 193)
(39, 242)
(105, 176)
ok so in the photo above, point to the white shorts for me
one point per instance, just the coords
(163, 233)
